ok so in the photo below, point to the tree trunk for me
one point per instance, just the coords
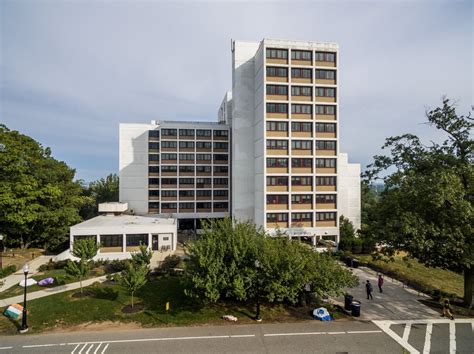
(80, 282)
(468, 287)
(132, 299)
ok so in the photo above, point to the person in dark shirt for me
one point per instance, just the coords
(447, 310)
(368, 289)
(380, 283)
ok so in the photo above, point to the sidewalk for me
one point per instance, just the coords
(51, 291)
(15, 278)
(395, 303)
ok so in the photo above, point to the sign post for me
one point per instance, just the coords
(167, 311)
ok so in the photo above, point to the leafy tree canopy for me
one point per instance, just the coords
(100, 191)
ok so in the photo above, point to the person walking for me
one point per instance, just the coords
(447, 310)
(380, 283)
(368, 289)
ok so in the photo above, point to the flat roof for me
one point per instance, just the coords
(124, 220)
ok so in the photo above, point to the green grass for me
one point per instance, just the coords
(60, 310)
(414, 272)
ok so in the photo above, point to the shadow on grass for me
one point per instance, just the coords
(106, 293)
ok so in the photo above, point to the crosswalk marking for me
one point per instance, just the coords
(90, 346)
(452, 338)
(406, 332)
(427, 345)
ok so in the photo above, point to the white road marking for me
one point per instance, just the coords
(336, 332)
(461, 320)
(292, 334)
(105, 348)
(80, 351)
(359, 332)
(242, 335)
(452, 338)
(39, 345)
(427, 346)
(385, 326)
(88, 350)
(97, 349)
(406, 332)
(3, 348)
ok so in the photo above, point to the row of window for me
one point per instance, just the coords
(301, 91)
(187, 180)
(189, 157)
(188, 169)
(283, 217)
(301, 127)
(307, 55)
(300, 181)
(188, 193)
(207, 133)
(301, 199)
(300, 108)
(188, 145)
(275, 71)
(273, 144)
(295, 162)
(199, 205)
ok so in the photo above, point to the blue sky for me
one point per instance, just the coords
(70, 72)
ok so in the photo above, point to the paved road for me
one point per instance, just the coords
(307, 337)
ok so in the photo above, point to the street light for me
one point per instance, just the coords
(257, 316)
(24, 324)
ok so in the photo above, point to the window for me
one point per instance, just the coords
(186, 206)
(186, 144)
(301, 217)
(301, 145)
(206, 193)
(169, 144)
(277, 181)
(221, 169)
(165, 157)
(307, 163)
(203, 145)
(136, 239)
(301, 91)
(221, 193)
(277, 72)
(325, 92)
(277, 217)
(277, 108)
(301, 127)
(277, 199)
(325, 198)
(186, 194)
(325, 74)
(205, 205)
(220, 181)
(301, 109)
(302, 73)
(153, 205)
(326, 56)
(220, 157)
(169, 194)
(168, 181)
(221, 133)
(325, 127)
(169, 132)
(329, 110)
(203, 169)
(168, 206)
(154, 157)
(277, 53)
(326, 181)
(223, 146)
(186, 157)
(153, 181)
(277, 144)
(301, 55)
(186, 181)
(153, 133)
(273, 162)
(186, 132)
(111, 240)
(186, 169)
(277, 126)
(328, 216)
(326, 163)
(153, 146)
(169, 168)
(203, 157)
(301, 199)
(301, 181)
(200, 182)
(203, 133)
(325, 145)
(153, 169)
(221, 205)
(153, 193)
(277, 90)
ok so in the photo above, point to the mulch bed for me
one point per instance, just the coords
(136, 308)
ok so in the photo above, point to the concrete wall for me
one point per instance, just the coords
(348, 201)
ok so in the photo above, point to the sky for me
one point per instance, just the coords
(71, 71)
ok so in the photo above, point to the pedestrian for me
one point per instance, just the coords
(447, 310)
(368, 289)
(380, 283)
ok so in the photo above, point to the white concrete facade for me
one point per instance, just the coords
(349, 191)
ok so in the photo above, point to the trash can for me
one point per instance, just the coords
(355, 263)
(348, 301)
(355, 308)
(349, 261)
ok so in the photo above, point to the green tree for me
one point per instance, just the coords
(133, 277)
(39, 199)
(426, 208)
(85, 249)
(100, 191)
(143, 256)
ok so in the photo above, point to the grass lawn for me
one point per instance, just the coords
(60, 310)
(415, 272)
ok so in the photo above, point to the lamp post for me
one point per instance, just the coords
(257, 315)
(24, 324)
(1, 251)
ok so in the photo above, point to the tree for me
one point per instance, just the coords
(39, 200)
(133, 277)
(100, 191)
(143, 256)
(85, 250)
(426, 207)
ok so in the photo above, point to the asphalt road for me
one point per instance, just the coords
(306, 337)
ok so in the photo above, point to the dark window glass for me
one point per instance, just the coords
(301, 109)
(277, 108)
(136, 239)
(276, 72)
(301, 55)
(203, 133)
(277, 53)
(275, 162)
(277, 90)
(111, 240)
(169, 132)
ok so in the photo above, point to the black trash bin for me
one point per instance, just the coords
(355, 263)
(348, 301)
(355, 308)
(349, 261)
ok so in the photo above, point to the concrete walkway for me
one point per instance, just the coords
(15, 278)
(50, 291)
(395, 303)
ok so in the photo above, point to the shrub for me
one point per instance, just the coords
(357, 245)
(52, 265)
(7, 270)
(170, 262)
(116, 266)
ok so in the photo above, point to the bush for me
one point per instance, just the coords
(116, 266)
(170, 262)
(7, 270)
(345, 244)
(52, 265)
(357, 245)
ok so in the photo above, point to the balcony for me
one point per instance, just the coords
(320, 152)
(169, 173)
(302, 170)
(168, 186)
(169, 210)
(221, 197)
(326, 135)
(186, 197)
(280, 61)
(277, 97)
(221, 150)
(219, 137)
(277, 115)
(203, 185)
(154, 197)
(186, 210)
(186, 186)
(204, 149)
(153, 174)
(329, 64)
(296, 206)
(204, 173)
(326, 81)
(328, 223)
(325, 99)
(300, 152)
(186, 173)
(276, 133)
(277, 78)
(169, 198)
(275, 152)
(324, 170)
(277, 206)
(221, 162)
(326, 188)
(187, 149)
(171, 162)
(277, 188)
(151, 211)
(304, 116)
(203, 210)
(168, 137)
(301, 62)
(277, 169)
(325, 206)
(225, 174)
(221, 210)
(302, 80)
(153, 185)
(203, 197)
(302, 188)
(301, 134)
(302, 98)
